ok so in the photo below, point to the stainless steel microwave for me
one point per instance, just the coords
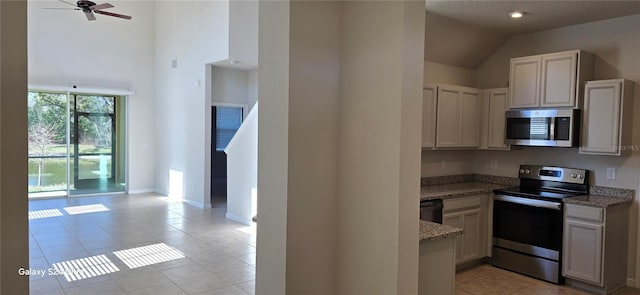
(543, 127)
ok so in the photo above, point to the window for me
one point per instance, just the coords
(228, 120)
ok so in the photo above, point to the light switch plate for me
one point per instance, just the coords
(611, 173)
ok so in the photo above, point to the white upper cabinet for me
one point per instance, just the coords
(524, 82)
(608, 106)
(494, 103)
(457, 117)
(558, 79)
(429, 95)
(549, 80)
(469, 107)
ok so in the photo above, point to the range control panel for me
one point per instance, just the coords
(553, 173)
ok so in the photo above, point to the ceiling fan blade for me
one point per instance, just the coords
(112, 14)
(90, 16)
(101, 6)
(61, 8)
(72, 4)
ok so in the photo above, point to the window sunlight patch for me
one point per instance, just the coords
(47, 213)
(148, 255)
(248, 229)
(85, 209)
(176, 185)
(84, 268)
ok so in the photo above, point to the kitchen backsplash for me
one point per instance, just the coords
(435, 180)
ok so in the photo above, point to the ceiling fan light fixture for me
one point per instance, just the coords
(516, 14)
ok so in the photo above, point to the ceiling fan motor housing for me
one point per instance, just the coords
(85, 5)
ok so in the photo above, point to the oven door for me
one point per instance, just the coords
(527, 225)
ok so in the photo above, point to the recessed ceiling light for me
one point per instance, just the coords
(516, 14)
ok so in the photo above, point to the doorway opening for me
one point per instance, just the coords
(225, 121)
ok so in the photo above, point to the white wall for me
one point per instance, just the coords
(14, 226)
(242, 170)
(236, 86)
(273, 148)
(616, 44)
(338, 179)
(379, 147)
(440, 73)
(253, 88)
(195, 33)
(439, 163)
(243, 31)
(65, 49)
(314, 81)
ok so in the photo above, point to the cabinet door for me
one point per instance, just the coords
(469, 119)
(497, 107)
(456, 220)
(601, 130)
(429, 95)
(472, 238)
(558, 80)
(448, 119)
(582, 253)
(524, 82)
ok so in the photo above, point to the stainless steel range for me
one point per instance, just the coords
(527, 220)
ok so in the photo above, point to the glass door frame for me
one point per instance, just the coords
(124, 101)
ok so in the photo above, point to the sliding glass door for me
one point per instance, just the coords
(76, 144)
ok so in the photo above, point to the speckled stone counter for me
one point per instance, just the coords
(603, 197)
(430, 231)
(454, 190)
(597, 201)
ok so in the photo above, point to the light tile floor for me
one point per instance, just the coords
(219, 253)
(486, 279)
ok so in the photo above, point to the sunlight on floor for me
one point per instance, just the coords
(47, 213)
(85, 209)
(147, 255)
(84, 268)
(248, 229)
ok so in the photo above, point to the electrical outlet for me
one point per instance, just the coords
(443, 164)
(611, 173)
(493, 164)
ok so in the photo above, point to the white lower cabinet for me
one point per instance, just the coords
(469, 214)
(595, 247)
(584, 260)
(437, 272)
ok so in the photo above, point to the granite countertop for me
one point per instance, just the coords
(603, 197)
(430, 231)
(453, 190)
(597, 201)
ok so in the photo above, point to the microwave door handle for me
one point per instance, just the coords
(552, 128)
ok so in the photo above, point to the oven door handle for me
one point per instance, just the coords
(528, 202)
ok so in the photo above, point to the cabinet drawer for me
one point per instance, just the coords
(461, 203)
(585, 213)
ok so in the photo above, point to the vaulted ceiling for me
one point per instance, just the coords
(465, 33)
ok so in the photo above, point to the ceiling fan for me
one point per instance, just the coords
(89, 7)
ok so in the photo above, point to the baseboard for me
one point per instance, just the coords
(142, 191)
(196, 204)
(631, 282)
(238, 219)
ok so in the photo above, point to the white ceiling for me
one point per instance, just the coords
(468, 32)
